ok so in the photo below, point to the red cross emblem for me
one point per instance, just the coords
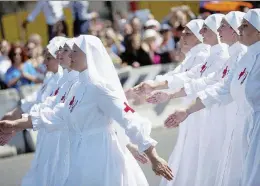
(56, 91)
(72, 101)
(225, 71)
(128, 108)
(63, 98)
(203, 68)
(72, 104)
(242, 73)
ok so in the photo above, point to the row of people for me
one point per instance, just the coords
(217, 145)
(219, 117)
(83, 121)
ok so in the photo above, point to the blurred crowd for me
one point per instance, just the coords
(130, 41)
(21, 64)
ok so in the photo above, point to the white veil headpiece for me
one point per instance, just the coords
(100, 65)
(101, 69)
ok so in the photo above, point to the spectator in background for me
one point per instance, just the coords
(114, 42)
(136, 31)
(177, 19)
(114, 47)
(120, 21)
(147, 55)
(81, 17)
(53, 11)
(31, 67)
(152, 24)
(167, 46)
(155, 25)
(14, 77)
(5, 62)
(180, 51)
(129, 57)
(127, 30)
(37, 53)
(94, 24)
(37, 40)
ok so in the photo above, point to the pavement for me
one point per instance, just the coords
(12, 169)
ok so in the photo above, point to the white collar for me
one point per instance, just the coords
(72, 75)
(200, 47)
(84, 76)
(254, 48)
(58, 74)
(64, 77)
(233, 49)
(218, 48)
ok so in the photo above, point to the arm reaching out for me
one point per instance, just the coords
(137, 128)
(179, 116)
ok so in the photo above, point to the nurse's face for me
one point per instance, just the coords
(226, 33)
(189, 40)
(209, 37)
(248, 33)
(51, 63)
(78, 59)
(64, 57)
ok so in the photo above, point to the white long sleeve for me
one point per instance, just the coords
(195, 85)
(197, 55)
(137, 128)
(216, 59)
(219, 93)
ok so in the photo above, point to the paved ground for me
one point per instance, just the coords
(13, 169)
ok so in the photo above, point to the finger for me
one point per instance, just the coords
(169, 169)
(168, 119)
(141, 159)
(169, 172)
(152, 100)
(169, 122)
(144, 159)
(167, 175)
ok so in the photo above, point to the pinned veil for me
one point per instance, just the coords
(101, 69)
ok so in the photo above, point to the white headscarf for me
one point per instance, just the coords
(195, 26)
(70, 42)
(100, 65)
(55, 44)
(102, 70)
(234, 19)
(213, 22)
(253, 17)
(59, 40)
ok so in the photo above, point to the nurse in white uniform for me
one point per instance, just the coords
(96, 158)
(241, 86)
(218, 56)
(217, 129)
(38, 162)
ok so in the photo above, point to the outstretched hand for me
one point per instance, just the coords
(176, 118)
(142, 158)
(159, 97)
(161, 168)
(144, 88)
(7, 126)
